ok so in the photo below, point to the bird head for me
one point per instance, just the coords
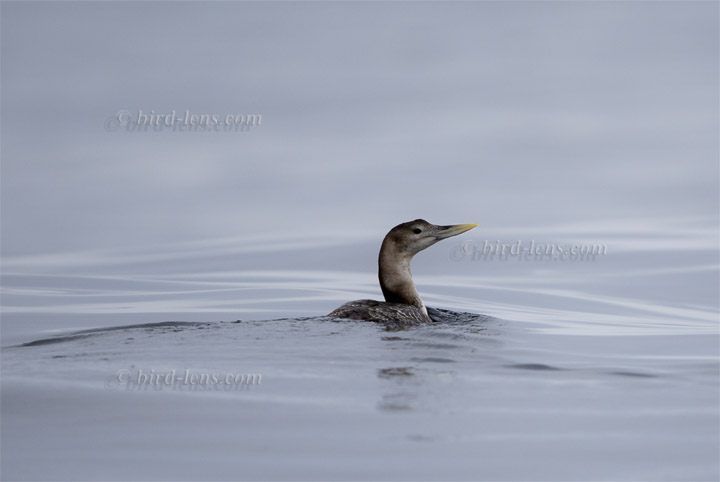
(412, 237)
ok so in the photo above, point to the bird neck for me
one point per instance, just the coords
(395, 278)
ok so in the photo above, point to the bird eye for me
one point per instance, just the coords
(417, 230)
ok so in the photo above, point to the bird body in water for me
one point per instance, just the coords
(402, 304)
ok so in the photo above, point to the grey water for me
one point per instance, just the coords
(549, 375)
(165, 291)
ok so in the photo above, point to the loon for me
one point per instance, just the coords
(402, 303)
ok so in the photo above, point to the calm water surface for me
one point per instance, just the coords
(578, 369)
(553, 122)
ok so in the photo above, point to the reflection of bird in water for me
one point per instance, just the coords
(402, 302)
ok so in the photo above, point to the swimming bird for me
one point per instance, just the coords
(402, 304)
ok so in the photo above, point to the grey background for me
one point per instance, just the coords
(556, 122)
(504, 114)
